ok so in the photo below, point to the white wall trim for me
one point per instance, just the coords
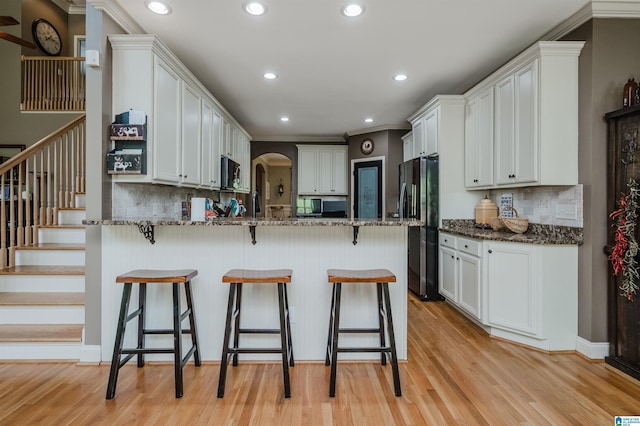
(90, 354)
(592, 350)
(118, 14)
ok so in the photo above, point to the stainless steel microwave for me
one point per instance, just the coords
(229, 174)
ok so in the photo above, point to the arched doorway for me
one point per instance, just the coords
(273, 181)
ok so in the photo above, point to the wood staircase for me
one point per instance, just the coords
(42, 295)
(42, 248)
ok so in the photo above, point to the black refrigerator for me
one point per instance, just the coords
(419, 199)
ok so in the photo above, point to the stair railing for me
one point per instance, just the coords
(36, 183)
(53, 83)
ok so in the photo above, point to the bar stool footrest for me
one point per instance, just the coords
(359, 330)
(164, 331)
(364, 350)
(259, 331)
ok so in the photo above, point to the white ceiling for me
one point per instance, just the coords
(336, 71)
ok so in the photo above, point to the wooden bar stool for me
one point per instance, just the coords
(144, 276)
(382, 277)
(237, 277)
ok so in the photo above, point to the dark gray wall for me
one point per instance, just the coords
(609, 58)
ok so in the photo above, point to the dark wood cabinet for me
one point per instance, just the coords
(623, 138)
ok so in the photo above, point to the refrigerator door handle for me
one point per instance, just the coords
(403, 195)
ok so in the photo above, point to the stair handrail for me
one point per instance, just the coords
(36, 183)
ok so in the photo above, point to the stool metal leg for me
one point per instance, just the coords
(225, 342)
(177, 340)
(117, 347)
(283, 339)
(383, 356)
(236, 329)
(192, 323)
(327, 360)
(334, 344)
(392, 340)
(142, 298)
(289, 340)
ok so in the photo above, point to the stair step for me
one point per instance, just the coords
(41, 298)
(71, 215)
(51, 254)
(62, 226)
(41, 333)
(75, 234)
(43, 270)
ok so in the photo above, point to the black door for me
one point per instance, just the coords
(367, 184)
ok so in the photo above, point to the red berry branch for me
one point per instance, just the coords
(625, 250)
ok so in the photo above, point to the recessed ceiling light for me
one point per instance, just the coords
(368, 120)
(270, 76)
(352, 10)
(400, 77)
(284, 119)
(255, 8)
(158, 7)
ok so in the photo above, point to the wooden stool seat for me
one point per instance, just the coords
(143, 277)
(238, 277)
(360, 276)
(382, 278)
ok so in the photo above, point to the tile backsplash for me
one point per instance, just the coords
(151, 201)
(542, 204)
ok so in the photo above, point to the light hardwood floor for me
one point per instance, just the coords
(456, 374)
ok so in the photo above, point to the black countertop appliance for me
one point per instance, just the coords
(334, 208)
(419, 199)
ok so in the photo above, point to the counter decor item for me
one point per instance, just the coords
(629, 95)
(484, 211)
(515, 224)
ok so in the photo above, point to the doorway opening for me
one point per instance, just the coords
(272, 182)
(368, 188)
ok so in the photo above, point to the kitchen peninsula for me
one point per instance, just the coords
(307, 246)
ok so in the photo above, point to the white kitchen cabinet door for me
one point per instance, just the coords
(191, 127)
(207, 177)
(166, 108)
(307, 171)
(504, 131)
(448, 273)
(479, 140)
(418, 138)
(325, 171)
(526, 140)
(227, 139)
(469, 279)
(340, 183)
(513, 287)
(431, 132)
(407, 146)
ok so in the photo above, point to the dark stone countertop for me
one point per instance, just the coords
(536, 234)
(262, 222)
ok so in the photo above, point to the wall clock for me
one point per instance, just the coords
(46, 37)
(366, 146)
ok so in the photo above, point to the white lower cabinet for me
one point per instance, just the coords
(513, 287)
(526, 293)
(460, 268)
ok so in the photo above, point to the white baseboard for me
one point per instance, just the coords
(592, 350)
(90, 354)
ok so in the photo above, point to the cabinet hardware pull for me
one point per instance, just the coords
(490, 251)
(466, 246)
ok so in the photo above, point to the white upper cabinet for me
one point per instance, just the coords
(187, 128)
(479, 139)
(426, 132)
(535, 120)
(407, 146)
(191, 128)
(166, 125)
(322, 170)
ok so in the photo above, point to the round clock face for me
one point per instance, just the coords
(46, 37)
(366, 147)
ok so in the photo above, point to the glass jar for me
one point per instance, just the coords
(629, 96)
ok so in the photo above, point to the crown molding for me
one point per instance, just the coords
(626, 9)
(118, 14)
(294, 139)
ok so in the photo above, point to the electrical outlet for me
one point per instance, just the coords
(292, 314)
(566, 211)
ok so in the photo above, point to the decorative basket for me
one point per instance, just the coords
(514, 224)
